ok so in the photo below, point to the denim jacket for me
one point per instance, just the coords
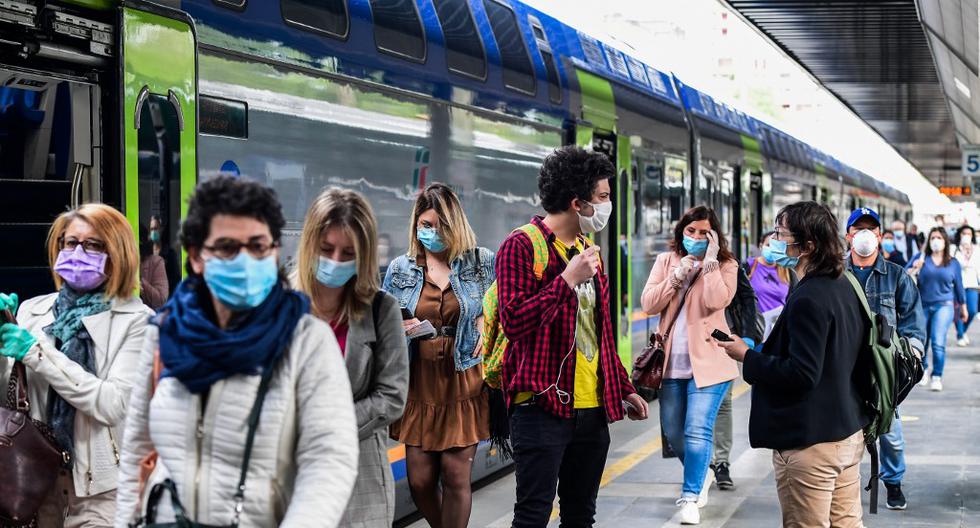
(470, 276)
(893, 294)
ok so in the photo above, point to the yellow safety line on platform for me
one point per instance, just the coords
(630, 460)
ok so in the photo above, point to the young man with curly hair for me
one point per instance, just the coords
(562, 378)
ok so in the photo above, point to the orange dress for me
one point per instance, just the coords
(445, 408)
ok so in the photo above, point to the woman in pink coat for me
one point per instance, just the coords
(699, 273)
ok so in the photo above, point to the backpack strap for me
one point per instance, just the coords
(376, 306)
(861, 295)
(539, 247)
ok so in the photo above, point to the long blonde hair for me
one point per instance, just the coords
(350, 211)
(123, 262)
(454, 229)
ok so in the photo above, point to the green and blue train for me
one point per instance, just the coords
(131, 103)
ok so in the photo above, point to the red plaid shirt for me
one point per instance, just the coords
(538, 318)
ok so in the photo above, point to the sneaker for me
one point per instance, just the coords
(722, 476)
(962, 342)
(936, 385)
(924, 382)
(966, 338)
(689, 512)
(896, 499)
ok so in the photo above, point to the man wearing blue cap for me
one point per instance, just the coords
(892, 294)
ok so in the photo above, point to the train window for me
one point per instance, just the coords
(237, 5)
(464, 49)
(398, 29)
(518, 74)
(328, 17)
(223, 117)
(554, 83)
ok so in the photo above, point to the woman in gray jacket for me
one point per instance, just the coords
(80, 346)
(231, 330)
(337, 267)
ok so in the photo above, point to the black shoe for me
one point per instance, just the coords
(896, 499)
(722, 477)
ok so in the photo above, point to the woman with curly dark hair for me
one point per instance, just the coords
(234, 360)
(806, 401)
(690, 287)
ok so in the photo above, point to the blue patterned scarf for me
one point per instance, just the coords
(74, 341)
(199, 353)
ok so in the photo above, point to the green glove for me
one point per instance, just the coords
(9, 301)
(16, 341)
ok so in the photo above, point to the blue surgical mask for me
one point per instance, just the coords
(154, 236)
(888, 245)
(695, 247)
(334, 274)
(899, 233)
(777, 250)
(429, 238)
(767, 255)
(241, 283)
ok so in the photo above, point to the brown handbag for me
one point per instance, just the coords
(648, 367)
(29, 454)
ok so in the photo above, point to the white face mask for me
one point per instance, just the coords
(937, 245)
(864, 243)
(598, 220)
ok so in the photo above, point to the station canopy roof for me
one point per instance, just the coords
(909, 68)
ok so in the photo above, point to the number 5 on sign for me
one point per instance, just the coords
(971, 160)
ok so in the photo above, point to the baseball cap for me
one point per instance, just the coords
(860, 213)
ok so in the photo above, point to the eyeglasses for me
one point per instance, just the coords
(227, 249)
(779, 233)
(90, 246)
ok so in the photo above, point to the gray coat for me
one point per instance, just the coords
(377, 363)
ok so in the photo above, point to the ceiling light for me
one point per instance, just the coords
(964, 89)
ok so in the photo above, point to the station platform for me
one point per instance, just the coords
(942, 482)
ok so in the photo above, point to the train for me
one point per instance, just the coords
(132, 102)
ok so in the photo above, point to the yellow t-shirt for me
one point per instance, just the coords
(586, 391)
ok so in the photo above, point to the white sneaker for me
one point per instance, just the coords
(962, 342)
(966, 338)
(689, 512)
(925, 380)
(937, 384)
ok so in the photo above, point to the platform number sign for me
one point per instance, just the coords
(971, 160)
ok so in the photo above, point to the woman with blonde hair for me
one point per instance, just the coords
(80, 346)
(441, 281)
(337, 267)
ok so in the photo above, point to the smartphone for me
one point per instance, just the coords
(720, 336)
(406, 315)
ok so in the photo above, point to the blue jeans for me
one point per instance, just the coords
(939, 317)
(972, 303)
(892, 448)
(687, 415)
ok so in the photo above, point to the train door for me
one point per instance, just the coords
(752, 222)
(614, 240)
(159, 109)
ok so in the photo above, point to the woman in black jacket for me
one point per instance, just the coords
(806, 404)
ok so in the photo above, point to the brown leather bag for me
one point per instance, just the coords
(648, 367)
(29, 454)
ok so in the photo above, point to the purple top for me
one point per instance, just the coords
(770, 291)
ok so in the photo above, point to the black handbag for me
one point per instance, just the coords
(156, 493)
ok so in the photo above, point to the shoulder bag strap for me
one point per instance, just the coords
(253, 425)
(680, 306)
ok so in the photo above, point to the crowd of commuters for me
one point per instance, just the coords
(242, 395)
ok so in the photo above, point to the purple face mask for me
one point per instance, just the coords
(82, 271)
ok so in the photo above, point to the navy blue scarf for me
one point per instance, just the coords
(197, 352)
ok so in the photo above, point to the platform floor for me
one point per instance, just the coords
(942, 483)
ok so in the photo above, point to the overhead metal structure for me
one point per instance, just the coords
(897, 70)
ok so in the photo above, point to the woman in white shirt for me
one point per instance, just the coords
(969, 259)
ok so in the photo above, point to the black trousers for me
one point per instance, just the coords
(549, 451)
